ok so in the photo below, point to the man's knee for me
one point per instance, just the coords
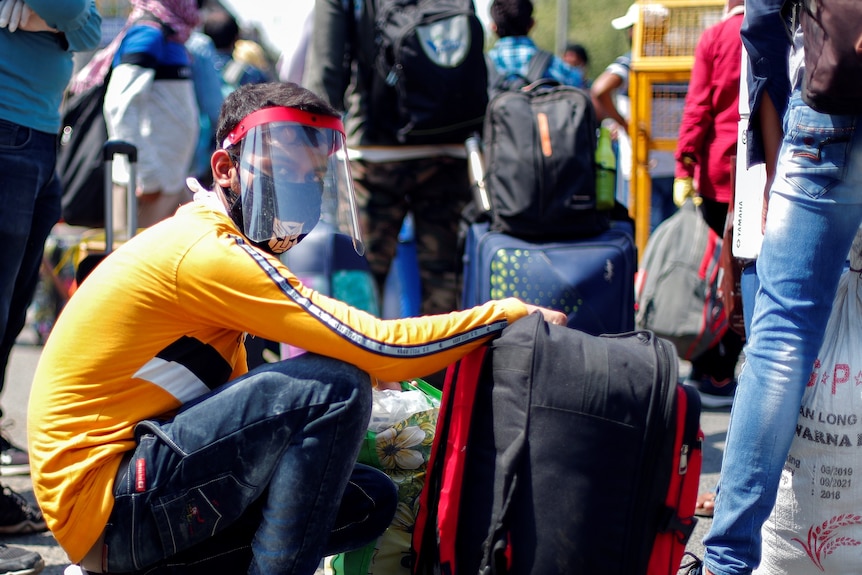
(353, 382)
(339, 380)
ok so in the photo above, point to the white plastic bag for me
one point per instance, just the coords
(389, 406)
(816, 524)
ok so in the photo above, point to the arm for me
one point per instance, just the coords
(78, 21)
(602, 92)
(767, 42)
(128, 90)
(258, 295)
(128, 99)
(697, 115)
(325, 64)
(769, 123)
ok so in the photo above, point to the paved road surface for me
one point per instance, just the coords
(14, 403)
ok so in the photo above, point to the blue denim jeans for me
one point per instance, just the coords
(748, 283)
(815, 208)
(250, 477)
(29, 208)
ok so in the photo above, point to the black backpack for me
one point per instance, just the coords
(79, 158)
(539, 150)
(80, 165)
(429, 82)
(556, 451)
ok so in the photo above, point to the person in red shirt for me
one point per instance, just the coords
(705, 151)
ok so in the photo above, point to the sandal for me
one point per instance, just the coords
(705, 504)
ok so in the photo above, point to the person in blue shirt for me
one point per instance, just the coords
(37, 40)
(512, 21)
(576, 56)
(222, 27)
(208, 91)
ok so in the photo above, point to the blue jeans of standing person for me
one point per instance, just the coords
(29, 208)
(250, 477)
(815, 208)
(748, 283)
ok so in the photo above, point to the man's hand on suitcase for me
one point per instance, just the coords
(551, 316)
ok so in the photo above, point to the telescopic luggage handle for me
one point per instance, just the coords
(112, 147)
(109, 149)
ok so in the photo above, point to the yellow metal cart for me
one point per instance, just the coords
(663, 44)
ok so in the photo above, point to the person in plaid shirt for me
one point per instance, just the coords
(512, 52)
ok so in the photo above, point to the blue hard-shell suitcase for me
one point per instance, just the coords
(590, 279)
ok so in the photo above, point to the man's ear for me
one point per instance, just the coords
(223, 168)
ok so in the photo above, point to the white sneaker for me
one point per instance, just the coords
(74, 570)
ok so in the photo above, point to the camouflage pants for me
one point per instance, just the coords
(435, 190)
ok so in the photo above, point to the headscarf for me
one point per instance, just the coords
(181, 16)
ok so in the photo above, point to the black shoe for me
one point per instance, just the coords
(18, 561)
(17, 516)
(13, 459)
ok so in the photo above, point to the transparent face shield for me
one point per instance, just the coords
(293, 172)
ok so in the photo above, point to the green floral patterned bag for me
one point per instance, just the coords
(398, 443)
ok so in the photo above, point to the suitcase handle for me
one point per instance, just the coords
(128, 149)
(121, 147)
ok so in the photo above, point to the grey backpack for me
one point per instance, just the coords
(677, 285)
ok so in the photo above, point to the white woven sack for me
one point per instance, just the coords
(816, 524)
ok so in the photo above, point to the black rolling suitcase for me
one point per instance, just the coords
(96, 244)
(561, 452)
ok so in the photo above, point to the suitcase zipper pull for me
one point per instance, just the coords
(683, 459)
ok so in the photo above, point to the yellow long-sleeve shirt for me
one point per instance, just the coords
(162, 321)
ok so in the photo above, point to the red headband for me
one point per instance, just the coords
(281, 114)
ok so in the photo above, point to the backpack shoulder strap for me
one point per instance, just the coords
(539, 64)
(494, 79)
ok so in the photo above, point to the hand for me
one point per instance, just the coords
(551, 316)
(36, 24)
(683, 188)
(615, 129)
(14, 14)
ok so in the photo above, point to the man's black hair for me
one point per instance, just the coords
(580, 51)
(512, 17)
(222, 27)
(253, 97)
